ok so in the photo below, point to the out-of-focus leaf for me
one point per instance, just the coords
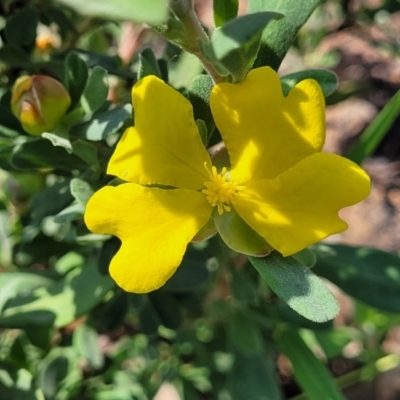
(152, 12)
(15, 57)
(21, 28)
(18, 384)
(309, 372)
(81, 190)
(148, 64)
(70, 213)
(370, 275)
(87, 152)
(76, 76)
(95, 93)
(13, 284)
(40, 153)
(50, 200)
(67, 299)
(279, 35)
(191, 273)
(38, 249)
(224, 11)
(253, 377)
(59, 374)
(376, 131)
(244, 332)
(326, 79)
(86, 343)
(57, 140)
(167, 308)
(9, 124)
(298, 286)
(103, 125)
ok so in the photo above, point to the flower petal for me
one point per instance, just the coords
(300, 207)
(164, 147)
(154, 225)
(266, 133)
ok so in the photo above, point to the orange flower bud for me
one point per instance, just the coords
(39, 102)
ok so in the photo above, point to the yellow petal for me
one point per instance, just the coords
(264, 132)
(154, 226)
(300, 207)
(164, 147)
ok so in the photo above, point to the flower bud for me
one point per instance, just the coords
(39, 102)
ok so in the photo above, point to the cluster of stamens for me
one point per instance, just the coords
(220, 190)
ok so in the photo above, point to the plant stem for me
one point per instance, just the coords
(195, 35)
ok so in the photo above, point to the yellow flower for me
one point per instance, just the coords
(278, 184)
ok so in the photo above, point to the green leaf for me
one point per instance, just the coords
(81, 190)
(199, 95)
(58, 140)
(86, 343)
(191, 273)
(253, 377)
(38, 249)
(50, 200)
(9, 124)
(244, 332)
(76, 76)
(326, 79)
(96, 91)
(370, 275)
(153, 12)
(236, 43)
(224, 11)
(15, 57)
(65, 300)
(40, 153)
(21, 28)
(59, 374)
(86, 152)
(238, 236)
(71, 213)
(298, 286)
(103, 125)
(18, 384)
(148, 64)
(286, 314)
(14, 284)
(308, 370)
(279, 35)
(167, 308)
(376, 131)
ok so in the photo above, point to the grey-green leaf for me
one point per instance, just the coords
(148, 64)
(103, 125)
(76, 75)
(236, 43)
(95, 93)
(279, 35)
(326, 79)
(298, 286)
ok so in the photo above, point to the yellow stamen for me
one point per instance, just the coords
(220, 190)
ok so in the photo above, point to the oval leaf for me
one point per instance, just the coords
(298, 286)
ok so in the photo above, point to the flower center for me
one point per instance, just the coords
(220, 190)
